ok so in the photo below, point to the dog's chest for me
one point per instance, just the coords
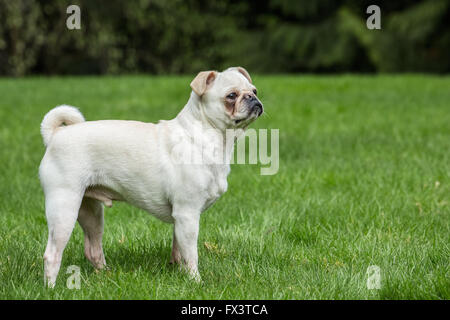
(217, 185)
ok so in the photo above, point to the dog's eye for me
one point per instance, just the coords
(255, 92)
(232, 95)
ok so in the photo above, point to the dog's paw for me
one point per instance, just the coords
(195, 275)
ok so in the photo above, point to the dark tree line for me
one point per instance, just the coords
(185, 36)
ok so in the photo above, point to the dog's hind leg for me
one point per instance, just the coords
(176, 255)
(90, 218)
(61, 209)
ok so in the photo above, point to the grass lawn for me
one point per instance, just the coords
(363, 180)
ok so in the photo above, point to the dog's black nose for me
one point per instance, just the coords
(258, 108)
(254, 104)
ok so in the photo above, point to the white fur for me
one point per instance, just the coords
(56, 117)
(87, 163)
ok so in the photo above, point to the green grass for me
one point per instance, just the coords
(363, 180)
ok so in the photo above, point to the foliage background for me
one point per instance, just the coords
(184, 36)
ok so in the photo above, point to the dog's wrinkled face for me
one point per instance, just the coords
(229, 99)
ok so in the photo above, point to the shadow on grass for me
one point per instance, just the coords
(152, 258)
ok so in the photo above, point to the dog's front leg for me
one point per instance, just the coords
(186, 234)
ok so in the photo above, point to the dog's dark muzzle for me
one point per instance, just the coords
(254, 104)
(258, 108)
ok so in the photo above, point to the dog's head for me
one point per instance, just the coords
(228, 98)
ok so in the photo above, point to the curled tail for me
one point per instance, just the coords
(61, 115)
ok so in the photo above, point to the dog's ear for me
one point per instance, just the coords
(243, 71)
(203, 81)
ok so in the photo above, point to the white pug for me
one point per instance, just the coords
(90, 163)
